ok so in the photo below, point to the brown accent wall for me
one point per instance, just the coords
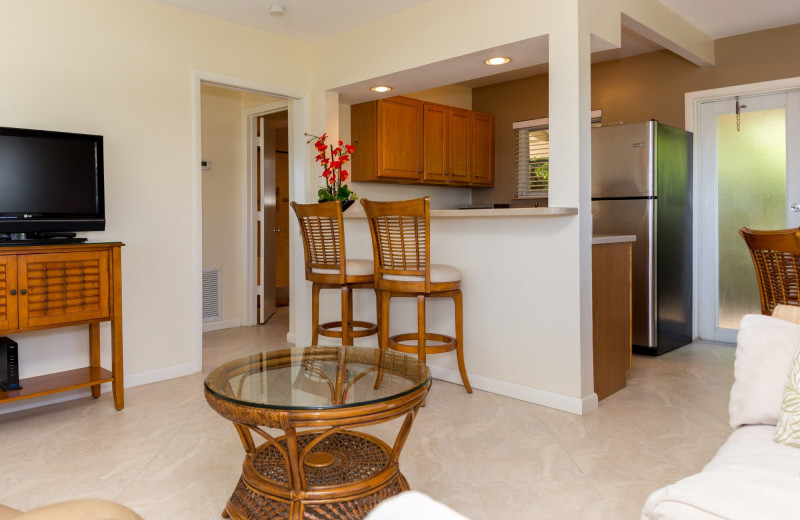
(648, 86)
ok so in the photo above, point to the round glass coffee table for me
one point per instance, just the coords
(318, 467)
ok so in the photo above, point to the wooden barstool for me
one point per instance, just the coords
(401, 249)
(327, 267)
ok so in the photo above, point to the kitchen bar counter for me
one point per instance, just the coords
(518, 340)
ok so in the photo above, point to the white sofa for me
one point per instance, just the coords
(751, 476)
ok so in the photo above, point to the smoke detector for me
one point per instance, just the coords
(277, 10)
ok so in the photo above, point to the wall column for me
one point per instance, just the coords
(570, 163)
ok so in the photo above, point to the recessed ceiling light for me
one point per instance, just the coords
(277, 10)
(500, 60)
(381, 88)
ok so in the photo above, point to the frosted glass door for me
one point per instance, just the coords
(751, 183)
(748, 177)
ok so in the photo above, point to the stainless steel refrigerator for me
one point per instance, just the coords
(642, 185)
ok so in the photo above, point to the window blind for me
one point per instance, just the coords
(532, 151)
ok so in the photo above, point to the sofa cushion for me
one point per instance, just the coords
(413, 505)
(750, 477)
(764, 353)
(788, 429)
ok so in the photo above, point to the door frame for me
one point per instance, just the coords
(299, 181)
(249, 229)
(693, 100)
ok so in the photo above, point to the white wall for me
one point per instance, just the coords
(124, 69)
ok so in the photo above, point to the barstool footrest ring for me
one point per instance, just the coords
(444, 343)
(360, 329)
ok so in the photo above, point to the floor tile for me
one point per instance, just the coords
(168, 455)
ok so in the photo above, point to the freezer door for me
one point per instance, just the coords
(634, 217)
(622, 160)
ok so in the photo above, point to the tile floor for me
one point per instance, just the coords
(168, 456)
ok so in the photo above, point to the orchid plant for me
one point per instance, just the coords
(333, 168)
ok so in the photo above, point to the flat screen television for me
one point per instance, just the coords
(50, 183)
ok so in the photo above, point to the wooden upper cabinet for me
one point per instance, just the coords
(482, 173)
(400, 139)
(460, 145)
(387, 135)
(447, 148)
(435, 139)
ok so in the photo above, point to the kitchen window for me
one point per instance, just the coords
(533, 155)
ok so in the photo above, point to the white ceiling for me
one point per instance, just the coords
(721, 18)
(315, 20)
(303, 19)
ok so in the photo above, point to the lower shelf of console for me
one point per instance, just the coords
(58, 382)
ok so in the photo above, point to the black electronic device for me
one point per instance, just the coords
(9, 364)
(50, 183)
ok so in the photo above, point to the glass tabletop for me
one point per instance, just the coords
(317, 378)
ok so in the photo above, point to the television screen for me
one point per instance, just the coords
(50, 181)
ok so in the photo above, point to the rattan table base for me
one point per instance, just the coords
(347, 474)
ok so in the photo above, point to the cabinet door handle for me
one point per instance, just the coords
(419, 171)
(476, 175)
(13, 292)
(23, 291)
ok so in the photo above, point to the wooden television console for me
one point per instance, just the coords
(61, 285)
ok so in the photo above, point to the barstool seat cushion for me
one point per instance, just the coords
(440, 273)
(352, 267)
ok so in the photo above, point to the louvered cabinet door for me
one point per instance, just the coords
(8, 289)
(63, 288)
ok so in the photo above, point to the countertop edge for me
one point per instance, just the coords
(612, 239)
(358, 212)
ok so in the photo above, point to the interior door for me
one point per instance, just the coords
(266, 219)
(749, 176)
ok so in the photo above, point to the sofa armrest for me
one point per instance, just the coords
(80, 510)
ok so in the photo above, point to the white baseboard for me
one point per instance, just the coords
(130, 380)
(555, 400)
(223, 324)
(162, 374)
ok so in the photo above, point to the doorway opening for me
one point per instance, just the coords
(298, 104)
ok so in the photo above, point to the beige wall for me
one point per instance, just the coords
(648, 86)
(125, 69)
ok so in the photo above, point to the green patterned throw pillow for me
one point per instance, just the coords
(788, 429)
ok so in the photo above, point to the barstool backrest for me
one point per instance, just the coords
(776, 257)
(323, 240)
(401, 243)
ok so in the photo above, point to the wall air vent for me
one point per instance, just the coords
(212, 295)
